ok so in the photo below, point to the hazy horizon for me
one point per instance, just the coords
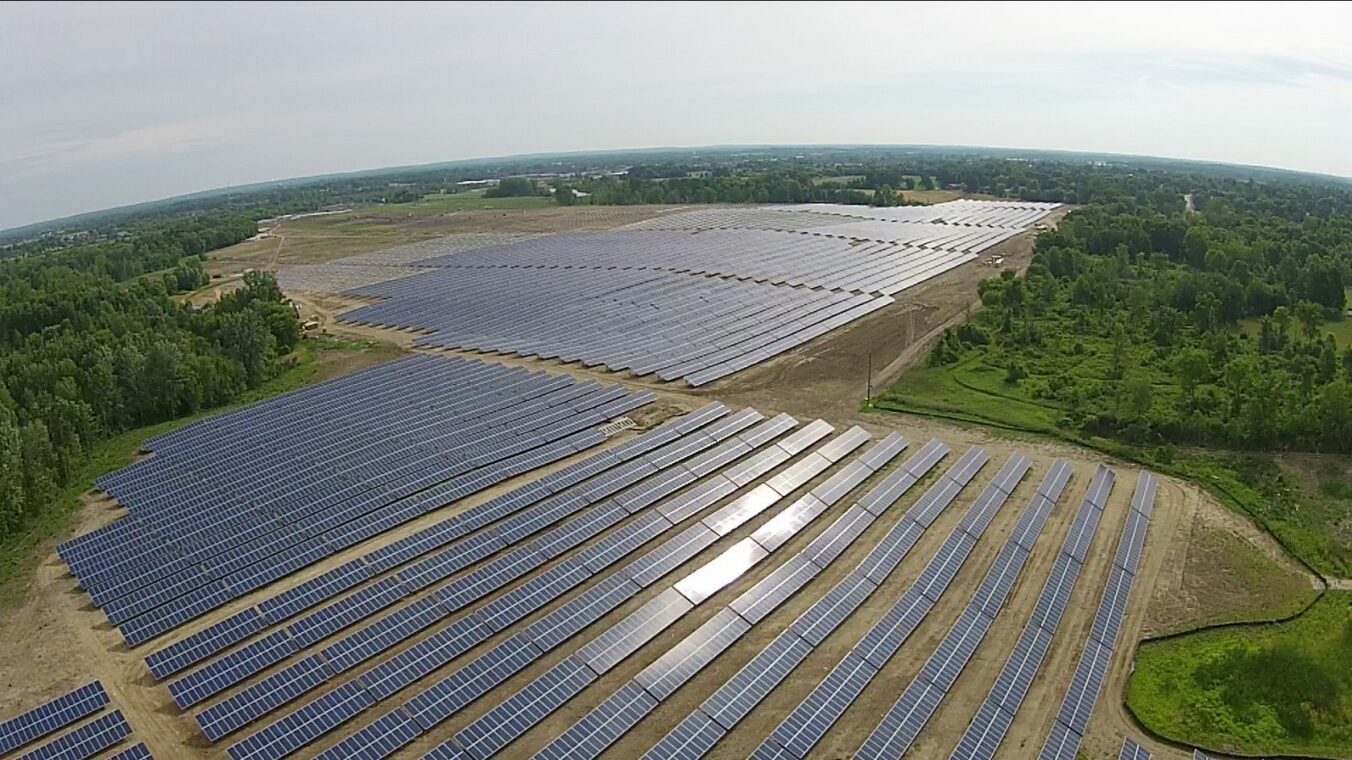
(114, 105)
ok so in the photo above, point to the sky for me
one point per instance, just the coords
(105, 104)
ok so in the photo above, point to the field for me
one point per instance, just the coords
(1203, 562)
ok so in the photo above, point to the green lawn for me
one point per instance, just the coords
(315, 360)
(1278, 688)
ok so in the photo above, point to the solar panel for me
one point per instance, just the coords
(735, 699)
(832, 542)
(451, 694)
(435, 651)
(680, 663)
(691, 739)
(888, 634)
(827, 613)
(844, 443)
(696, 499)
(327, 621)
(1085, 687)
(985, 734)
(1132, 542)
(729, 517)
(259, 699)
(884, 451)
(673, 553)
(772, 590)
(1051, 604)
(581, 611)
(956, 649)
(391, 732)
(505, 723)
(303, 726)
(814, 716)
(183, 654)
(533, 594)
(1112, 608)
(135, 752)
(788, 522)
(935, 579)
(52, 716)
(1143, 500)
(622, 639)
(314, 591)
(796, 475)
(380, 635)
(903, 722)
(606, 551)
(726, 568)
(1062, 744)
(601, 727)
(85, 741)
(969, 465)
(1133, 751)
(231, 669)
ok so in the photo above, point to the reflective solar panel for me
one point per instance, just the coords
(622, 639)
(673, 553)
(680, 663)
(695, 500)
(729, 566)
(826, 546)
(788, 522)
(772, 590)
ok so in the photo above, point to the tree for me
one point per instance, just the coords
(1333, 415)
(884, 196)
(1310, 316)
(1137, 396)
(512, 187)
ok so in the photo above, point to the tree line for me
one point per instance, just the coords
(1155, 325)
(92, 344)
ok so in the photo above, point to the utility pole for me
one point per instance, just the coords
(868, 382)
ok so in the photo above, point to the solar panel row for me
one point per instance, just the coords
(902, 724)
(447, 696)
(48, 718)
(991, 722)
(394, 674)
(85, 741)
(807, 723)
(1072, 722)
(224, 509)
(701, 730)
(621, 640)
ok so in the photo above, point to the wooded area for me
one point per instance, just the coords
(92, 344)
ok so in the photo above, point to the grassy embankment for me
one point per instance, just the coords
(314, 361)
(1274, 687)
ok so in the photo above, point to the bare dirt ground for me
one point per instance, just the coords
(57, 640)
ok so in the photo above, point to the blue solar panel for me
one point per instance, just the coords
(232, 669)
(314, 591)
(505, 723)
(56, 714)
(673, 553)
(903, 722)
(608, 550)
(138, 752)
(533, 594)
(827, 613)
(810, 721)
(303, 726)
(259, 699)
(439, 649)
(1133, 751)
(895, 545)
(735, 699)
(85, 741)
(380, 635)
(449, 695)
(1062, 744)
(601, 727)
(325, 622)
(391, 732)
(983, 737)
(888, 634)
(199, 646)
(581, 611)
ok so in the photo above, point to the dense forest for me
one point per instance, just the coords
(1150, 323)
(92, 344)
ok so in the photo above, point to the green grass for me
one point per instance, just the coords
(1235, 584)
(438, 203)
(19, 554)
(1277, 688)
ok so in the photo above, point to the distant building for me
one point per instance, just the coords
(477, 183)
(699, 174)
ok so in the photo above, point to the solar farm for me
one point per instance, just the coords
(529, 539)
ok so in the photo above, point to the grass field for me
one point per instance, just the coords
(1280, 688)
(314, 361)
